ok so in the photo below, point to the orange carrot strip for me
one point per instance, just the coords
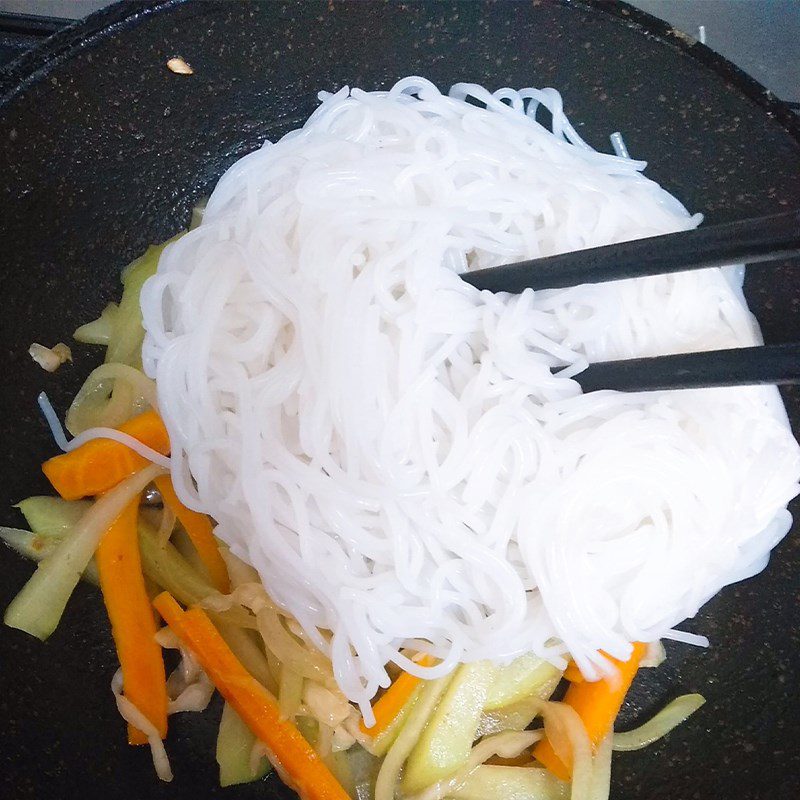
(300, 767)
(597, 704)
(573, 674)
(100, 464)
(393, 699)
(198, 526)
(133, 625)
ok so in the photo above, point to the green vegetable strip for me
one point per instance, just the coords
(408, 736)
(27, 543)
(164, 565)
(339, 764)
(525, 677)
(245, 648)
(99, 330)
(516, 717)
(235, 743)
(446, 743)
(52, 516)
(167, 568)
(36, 547)
(384, 740)
(37, 609)
(680, 709)
(511, 783)
(127, 334)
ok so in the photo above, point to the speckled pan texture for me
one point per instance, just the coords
(103, 150)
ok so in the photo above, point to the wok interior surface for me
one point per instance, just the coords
(103, 150)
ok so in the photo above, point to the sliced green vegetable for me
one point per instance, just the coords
(26, 543)
(672, 715)
(36, 547)
(98, 331)
(38, 607)
(235, 743)
(522, 678)
(52, 516)
(167, 568)
(164, 565)
(446, 742)
(339, 764)
(245, 647)
(183, 544)
(430, 695)
(385, 739)
(364, 769)
(516, 717)
(127, 333)
(511, 783)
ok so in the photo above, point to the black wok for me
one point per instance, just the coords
(103, 150)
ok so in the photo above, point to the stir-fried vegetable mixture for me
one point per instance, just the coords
(485, 731)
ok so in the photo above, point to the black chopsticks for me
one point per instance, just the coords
(740, 366)
(749, 241)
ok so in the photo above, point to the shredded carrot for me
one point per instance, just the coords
(296, 761)
(572, 673)
(198, 527)
(597, 704)
(100, 464)
(133, 624)
(393, 699)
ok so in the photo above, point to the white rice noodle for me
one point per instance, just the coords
(123, 438)
(134, 717)
(390, 448)
(57, 429)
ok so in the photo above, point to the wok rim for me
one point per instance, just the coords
(36, 64)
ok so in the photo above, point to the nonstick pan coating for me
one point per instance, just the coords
(103, 150)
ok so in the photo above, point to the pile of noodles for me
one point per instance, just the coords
(404, 459)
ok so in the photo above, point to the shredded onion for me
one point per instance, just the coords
(507, 745)
(194, 697)
(571, 744)
(166, 525)
(329, 707)
(132, 715)
(188, 686)
(601, 771)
